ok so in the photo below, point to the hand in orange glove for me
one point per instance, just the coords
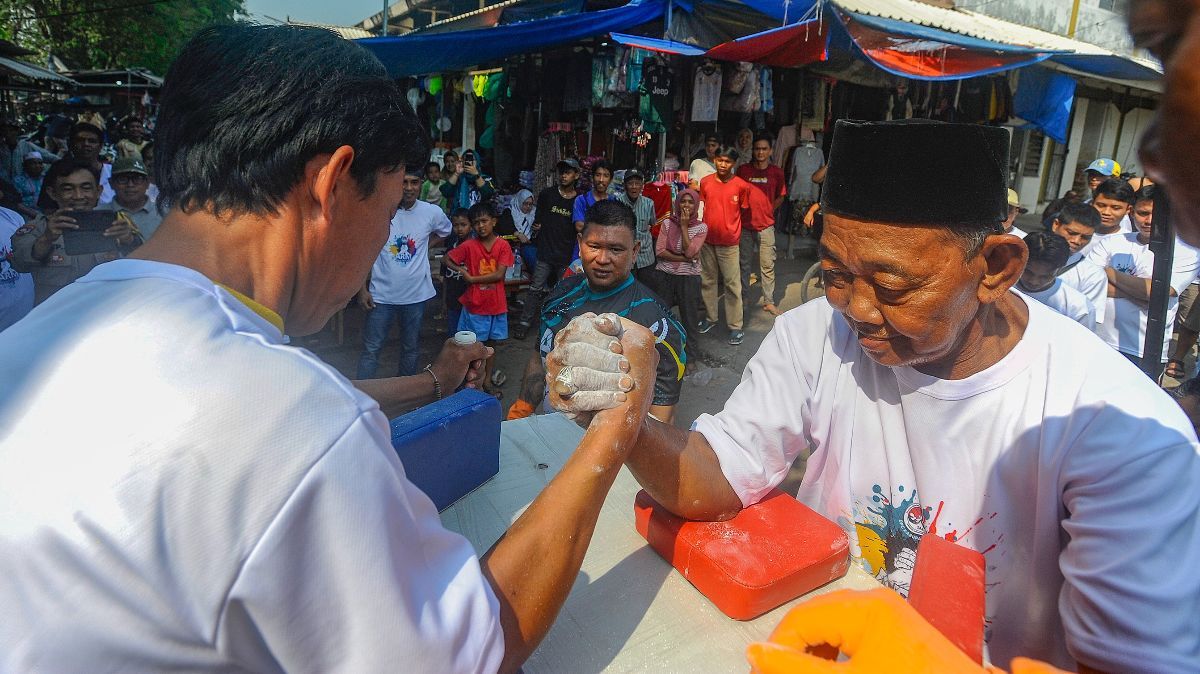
(877, 630)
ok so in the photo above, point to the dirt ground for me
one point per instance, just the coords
(705, 389)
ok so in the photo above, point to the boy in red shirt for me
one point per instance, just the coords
(725, 197)
(482, 262)
(769, 178)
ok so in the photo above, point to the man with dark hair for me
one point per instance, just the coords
(134, 138)
(1099, 171)
(936, 402)
(1048, 252)
(15, 149)
(39, 248)
(704, 165)
(726, 198)
(601, 179)
(1113, 200)
(85, 142)
(1077, 224)
(1129, 264)
(608, 250)
(760, 243)
(183, 490)
(400, 282)
(554, 235)
(643, 208)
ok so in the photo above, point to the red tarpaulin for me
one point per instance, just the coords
(795, 45)
(929, 59)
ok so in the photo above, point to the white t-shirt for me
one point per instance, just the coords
(16, 289)
(1088, 279)
(706, 95)
(1125, 329)
(401, 273)
(181, 491)
(1063, 464)
(700, 169)
(1065, 300)
(1125, 227)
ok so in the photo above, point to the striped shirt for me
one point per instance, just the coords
(644, 210)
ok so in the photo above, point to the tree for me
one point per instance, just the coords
(111, 33)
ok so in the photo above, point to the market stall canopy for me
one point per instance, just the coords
(658, 45)
(420, 53)
(28, 71)
(790, 46)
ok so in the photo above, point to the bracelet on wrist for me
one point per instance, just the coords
(437, 385)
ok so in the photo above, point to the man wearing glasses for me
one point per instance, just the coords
(130, 180)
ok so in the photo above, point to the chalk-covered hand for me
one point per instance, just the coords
(877, 631)
(587, 371)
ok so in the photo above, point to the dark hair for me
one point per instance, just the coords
(712, 138)
(432, 164)
(1048, 247)
(1114, 188)
(86, 128)
(1083, 214)
(415, 173)
(727, 151)
(460, 213)
(763, 136)
(601, 164)
(245, 107)
(483, 208)
(65, 167)
(1146, 193)
(447, 153)
(610, 213)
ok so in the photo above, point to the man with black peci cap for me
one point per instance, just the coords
(935, 401)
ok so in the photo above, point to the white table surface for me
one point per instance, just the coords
(628, 611)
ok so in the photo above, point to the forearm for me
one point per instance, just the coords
(1131, 287)
(679, 469)
(534, 565)
(493, 277)
(671, 257)
(397, 395)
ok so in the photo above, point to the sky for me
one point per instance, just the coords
(341, 12)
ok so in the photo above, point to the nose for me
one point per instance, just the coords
(861, 306)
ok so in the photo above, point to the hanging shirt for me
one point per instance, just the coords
(700, 169)
(184, 491)
(706, 95)
(1065, 300)
(16, 288)
(1069, 469)
(724, 203)
(483, 299)
(805, 161)
(401, 272)
(1124, 327)
(655, 104)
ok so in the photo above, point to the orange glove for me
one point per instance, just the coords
(877, 630)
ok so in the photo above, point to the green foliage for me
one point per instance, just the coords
(110, 33)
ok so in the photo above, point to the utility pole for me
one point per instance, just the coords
(383, 18)
(1074, 18)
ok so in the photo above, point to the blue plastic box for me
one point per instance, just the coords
(451, 446)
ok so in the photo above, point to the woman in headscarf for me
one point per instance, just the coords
(678, 253)
(744, 144)
(517, 222)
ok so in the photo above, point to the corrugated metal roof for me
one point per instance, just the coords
(979, 26)
(32, 72)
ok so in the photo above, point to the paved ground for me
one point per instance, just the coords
(704, 390)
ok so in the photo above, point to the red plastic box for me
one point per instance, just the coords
(948, 590)
(771, 553)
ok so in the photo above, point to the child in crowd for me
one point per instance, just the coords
(453, 285)
(482, 262)
(678, 252)
(431, 189)
(1048, 252)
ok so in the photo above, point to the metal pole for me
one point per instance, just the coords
(1162, 244)
(383, 20)
(662, 137)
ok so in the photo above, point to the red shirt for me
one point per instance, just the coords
(483, 299)
(770, 180)
(723, 205)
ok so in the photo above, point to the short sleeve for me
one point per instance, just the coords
(505, 256)
(579, 208)
(765, 422)
(440, 225)
(668, 380)
(1132, 515)
(1099, 254)
(1185, 268)
(357, 574)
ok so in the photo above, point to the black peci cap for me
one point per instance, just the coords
(918, 172)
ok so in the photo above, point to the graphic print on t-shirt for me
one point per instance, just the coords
(403, 249)
(889, 531)
(1125, 263)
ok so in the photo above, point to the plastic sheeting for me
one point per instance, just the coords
(418, 54)
(1044, 99)
(658, 45)
(791, 46)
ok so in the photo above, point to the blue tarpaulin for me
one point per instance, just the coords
(658, 44)
(418, 54)
(1110, 66)
(1043, 99)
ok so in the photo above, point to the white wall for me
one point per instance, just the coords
(1097, 26)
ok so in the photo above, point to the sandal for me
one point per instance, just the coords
(771, 309)
(1175, 369)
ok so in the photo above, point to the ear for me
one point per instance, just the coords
(328, 178)
(1003, 257)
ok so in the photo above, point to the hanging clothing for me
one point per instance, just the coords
(766, 91)
(634, 72)
(805, 161)
(706, 93)
(655, 102)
